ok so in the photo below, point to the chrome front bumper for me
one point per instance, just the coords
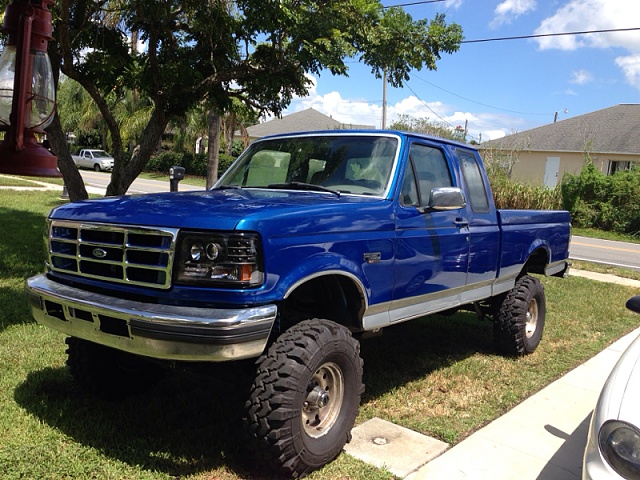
(159, 331)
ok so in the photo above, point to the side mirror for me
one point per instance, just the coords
(447, 198)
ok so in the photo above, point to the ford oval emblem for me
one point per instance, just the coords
(99, 253)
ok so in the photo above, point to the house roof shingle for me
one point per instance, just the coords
(304, 120)
(611, 130)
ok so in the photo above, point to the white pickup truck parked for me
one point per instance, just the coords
(97, 160)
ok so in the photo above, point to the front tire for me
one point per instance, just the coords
(107, 372)
(97, 168)
(305, 397)
(520, 317)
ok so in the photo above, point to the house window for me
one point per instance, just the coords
(615, 166)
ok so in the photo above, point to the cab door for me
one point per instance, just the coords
(432, 247)
(484, 232)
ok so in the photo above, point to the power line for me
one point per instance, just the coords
(476, 102)
(409, 4)
(523, 37)
(427, 105)
(432, 111)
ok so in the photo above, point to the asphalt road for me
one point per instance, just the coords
(619, 254)
(139, 185)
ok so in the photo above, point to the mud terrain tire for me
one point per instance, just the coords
(305, 397)
(519, 320)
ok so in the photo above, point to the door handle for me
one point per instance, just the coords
(460, 223)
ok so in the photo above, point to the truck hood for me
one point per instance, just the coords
(268, 211)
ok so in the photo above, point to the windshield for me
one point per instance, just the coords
(358, 164)
(100, 154)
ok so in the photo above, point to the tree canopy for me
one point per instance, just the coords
(175, 54)
(427, 126)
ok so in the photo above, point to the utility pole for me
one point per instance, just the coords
(384, 99)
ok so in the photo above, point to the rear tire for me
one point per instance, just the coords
(305, 397)
(107, 372)
(520, 317)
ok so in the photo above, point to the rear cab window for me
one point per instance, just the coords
(472, 176)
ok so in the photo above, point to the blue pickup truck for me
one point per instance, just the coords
(306, 244)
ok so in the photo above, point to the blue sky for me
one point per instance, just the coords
(501, 87)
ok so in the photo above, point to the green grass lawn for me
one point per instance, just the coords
(189, 179)
(438, 376)
(593, 233)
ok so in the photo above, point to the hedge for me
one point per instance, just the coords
(604, 202)
(193, 164)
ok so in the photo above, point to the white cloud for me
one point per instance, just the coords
(581, 77)
(481, 126)
(485, 126)
(630, 66)
(585, 15)
(416, 108)
(509, 10)
(348, 111)
(493, 135)
(452, 4)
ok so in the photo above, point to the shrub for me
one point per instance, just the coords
(509, 193)
(193, 164)
(164, 161)
(608, 203)
(237, 147)
(224, 163)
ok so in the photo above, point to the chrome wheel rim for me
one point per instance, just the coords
(321, 407)
(532, 318)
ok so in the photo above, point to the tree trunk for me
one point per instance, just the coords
(213, 144)
(229, 131)
(58, 140)
(124, 175)
(135, 36)
(72, 178)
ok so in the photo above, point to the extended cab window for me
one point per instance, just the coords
(427, 169)
(473, 179)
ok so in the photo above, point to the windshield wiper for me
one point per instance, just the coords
(228, 187)
(303, 186)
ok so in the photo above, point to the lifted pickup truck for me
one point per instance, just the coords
(97, 160)
(307, 242)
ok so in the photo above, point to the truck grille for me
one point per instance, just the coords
(133, 255)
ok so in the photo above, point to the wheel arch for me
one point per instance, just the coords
(336, 295)
(538, 259)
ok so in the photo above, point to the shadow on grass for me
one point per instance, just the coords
(22, 254)
(185, 425)
(411, 350)
(190, 423)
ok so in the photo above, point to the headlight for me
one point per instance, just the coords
(620, 446)
(232, 260)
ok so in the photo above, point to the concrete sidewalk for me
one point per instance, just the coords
(38, 185)
(542, 438)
